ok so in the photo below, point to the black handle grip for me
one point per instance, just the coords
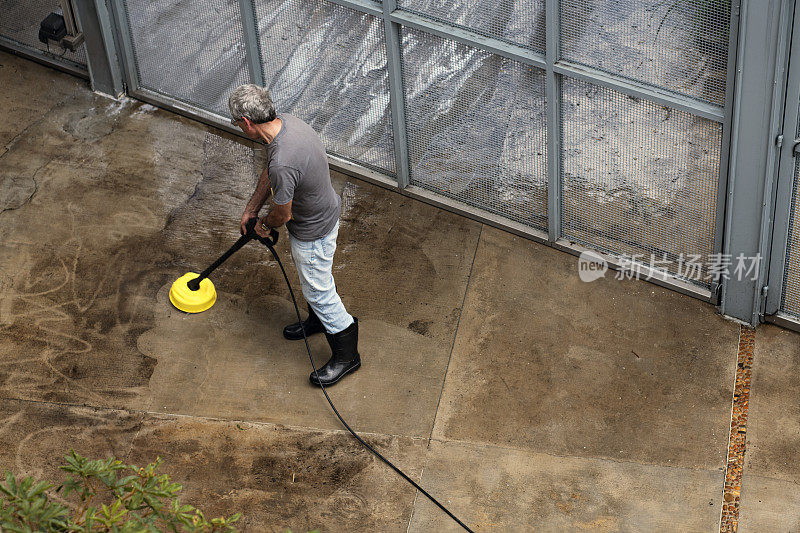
(272, 239)
(251, 227)
(251, 232)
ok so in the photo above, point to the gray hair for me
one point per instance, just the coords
(253, 102)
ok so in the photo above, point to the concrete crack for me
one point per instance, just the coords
(36, 122)
(27, 200)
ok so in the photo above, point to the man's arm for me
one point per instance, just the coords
(277, 217)
(286, 179)
(257, 201)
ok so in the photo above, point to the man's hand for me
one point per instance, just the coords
(247, 216)
(261, 227)
(278, 216)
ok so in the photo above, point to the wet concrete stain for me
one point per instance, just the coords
(420, 326)
(412, 260)
(110, 217)
(320, 465)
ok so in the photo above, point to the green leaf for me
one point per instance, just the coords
(126, 480)
(11, 483)
(38, 488)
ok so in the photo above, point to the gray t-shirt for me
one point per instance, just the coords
(298, 171)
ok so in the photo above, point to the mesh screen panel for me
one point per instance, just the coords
(20, 19)
(638, 178)
(791, 274)
(518, 21)
(326, 64)
(192, 51)
(476, 127)
(681, 46)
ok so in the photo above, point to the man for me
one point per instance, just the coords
(303, 198)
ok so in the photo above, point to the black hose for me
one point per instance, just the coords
(345, 424)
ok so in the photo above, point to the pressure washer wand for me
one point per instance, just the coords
(194, 284)
(251, 234)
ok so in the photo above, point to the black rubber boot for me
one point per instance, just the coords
(312, 325)
(345, 358)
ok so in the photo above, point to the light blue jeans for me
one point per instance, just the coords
(314, 262)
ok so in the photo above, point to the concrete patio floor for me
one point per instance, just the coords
(522, 397)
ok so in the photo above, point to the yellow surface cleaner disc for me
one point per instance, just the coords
(191, 301)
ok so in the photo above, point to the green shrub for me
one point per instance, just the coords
(112, 497)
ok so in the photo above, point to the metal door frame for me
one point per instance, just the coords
(45, 58)
(784, 184)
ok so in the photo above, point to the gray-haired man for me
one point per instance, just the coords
(297, 174)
